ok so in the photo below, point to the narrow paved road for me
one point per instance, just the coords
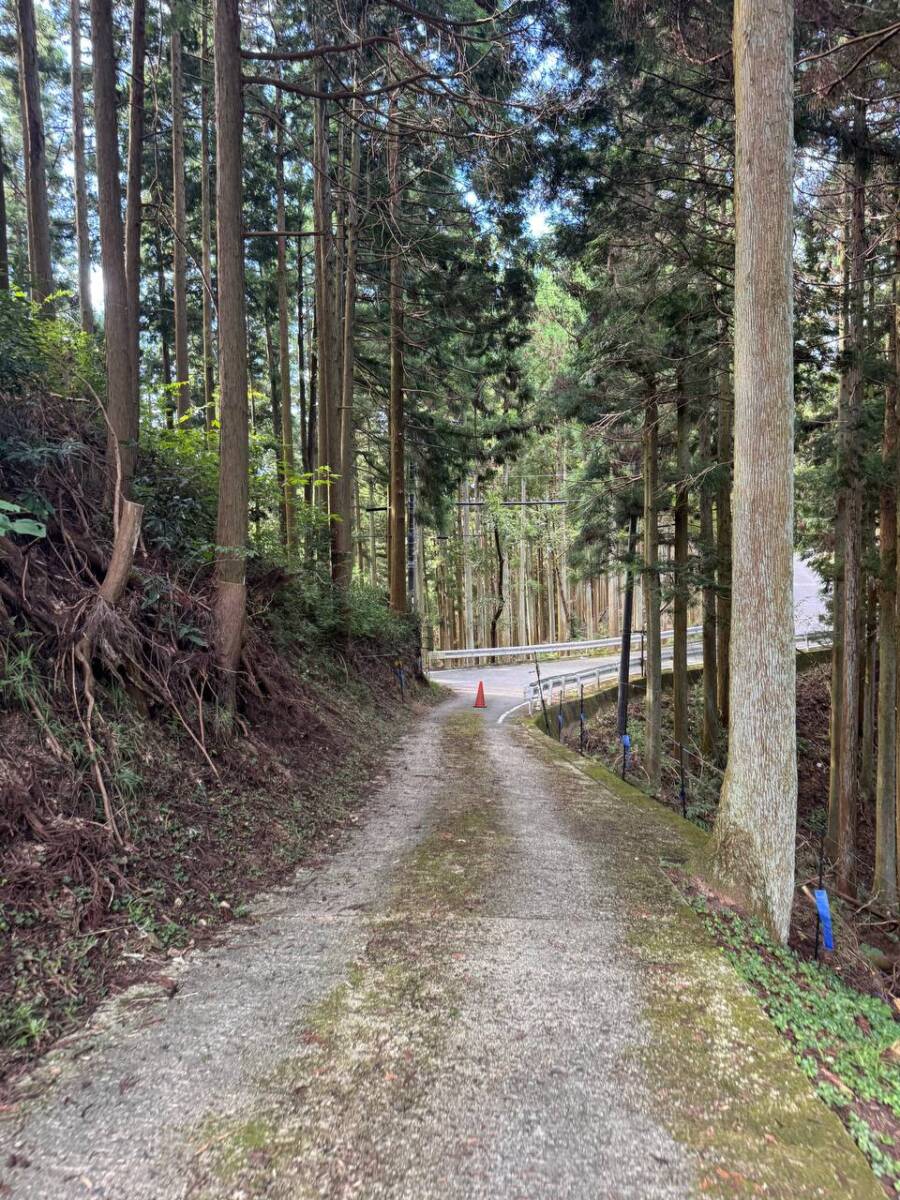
(505, 684)
(490, 991)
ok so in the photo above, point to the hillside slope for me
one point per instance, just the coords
(135, 814)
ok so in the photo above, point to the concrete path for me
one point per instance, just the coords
(490, 991)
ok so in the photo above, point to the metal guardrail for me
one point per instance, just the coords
(610, 666)
(480, 652)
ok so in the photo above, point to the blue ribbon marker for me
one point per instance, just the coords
(824, 912)
(626, 746)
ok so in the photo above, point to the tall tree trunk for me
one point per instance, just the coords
(82, 228)
(231, 531)
(373, 538)
(179, 205)
(869, 693)
(275, 397)
(344, 563)
(842, 820)
(710, 733)
(501, 598)
(723, 526)
(884, 883)
(550, 588)
(653, 669)
(523, 568)
(840, 527)
(133, 205)
(885, 880)
(289, 492)
(209, 401)
(357, 523)
(562, 558)
(306, 464)
(468, 612)
(163, 325)
(37, 203)
(891, 804)
(680, 599)
(122, 412)
(312, 428)
(328, 381)
(396, 422)
(627, 620)
(4, 244)
(757, 819)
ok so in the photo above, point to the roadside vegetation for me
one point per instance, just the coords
(138, 815)
(846, 1042)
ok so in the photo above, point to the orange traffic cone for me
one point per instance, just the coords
(479, 698)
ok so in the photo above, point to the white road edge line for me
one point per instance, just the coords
(510, 711)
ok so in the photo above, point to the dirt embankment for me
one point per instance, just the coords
(135, 815)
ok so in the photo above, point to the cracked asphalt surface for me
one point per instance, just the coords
(497, 1048)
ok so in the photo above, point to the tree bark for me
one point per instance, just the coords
(869, 692)
(846, 793)
(501, 598)
(289, 493)
(680, 598)
(122, 412)
(723, 527)
(328, 377)
(133, 206)
(627, 619)
(312, 428)
(231, 532)
(275, 397)
(37, 203)
(468, 611)
(209, 400)
(82, 227)
(4, 244)
(653, 668)
(709, 737)
(884, 885)
(523, 567)
(163, 325)
(305, 463)
(344, 563)
(840, 526)
(755, 828)
(179, 254)
(889, 807)
(396, 422)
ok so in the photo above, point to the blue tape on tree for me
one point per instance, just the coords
(824, 911)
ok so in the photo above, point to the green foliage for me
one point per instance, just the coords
(373, 620)
(22, 359)
(38, 349)
(16, 519)
(309, 611)
(21, 1024)
(177, 482)
(843, 1040)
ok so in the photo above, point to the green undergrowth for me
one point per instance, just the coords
(844, 1041)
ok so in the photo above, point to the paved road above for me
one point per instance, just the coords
(504, 685)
